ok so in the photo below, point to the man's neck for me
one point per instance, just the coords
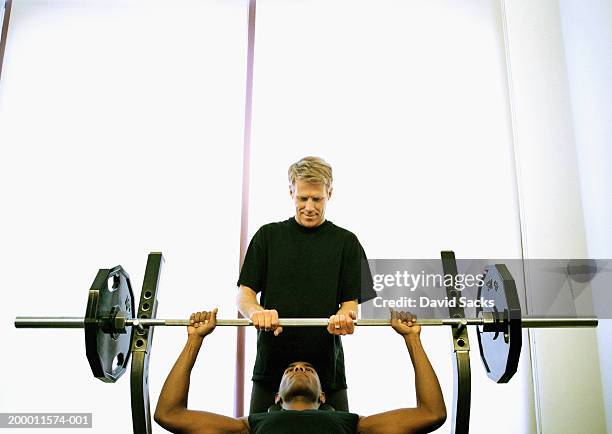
(300, 403)
(298, 222)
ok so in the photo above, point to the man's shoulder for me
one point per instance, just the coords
(272, 231)
(275, 226)
(342, 231)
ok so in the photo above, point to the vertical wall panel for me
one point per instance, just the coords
(587, 39)
(112, 118)
(567, 377)
(408, 102)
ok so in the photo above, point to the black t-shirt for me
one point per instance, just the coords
(304, 422)
(303, 273)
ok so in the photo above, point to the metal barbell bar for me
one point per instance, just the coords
(111, 312)
(79, 322)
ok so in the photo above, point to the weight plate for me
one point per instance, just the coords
(500, 346)
(108, 353)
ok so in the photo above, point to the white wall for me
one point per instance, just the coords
(111, 117)
(587, 38)
(408, 102)
(566, 362)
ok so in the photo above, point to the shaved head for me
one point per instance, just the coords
(300, 381)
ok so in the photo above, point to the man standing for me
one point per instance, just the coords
(303, 267)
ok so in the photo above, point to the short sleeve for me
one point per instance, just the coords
(356, 279)
(252, 273)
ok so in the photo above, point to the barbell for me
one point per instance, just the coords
(59, 322)
(113, 332)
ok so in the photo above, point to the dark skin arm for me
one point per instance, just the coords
(171, 411)
(430, 412)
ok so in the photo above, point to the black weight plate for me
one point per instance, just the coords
(108, 353)
(500, 349)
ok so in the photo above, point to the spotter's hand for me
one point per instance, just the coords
(266, 320)
(342, 324)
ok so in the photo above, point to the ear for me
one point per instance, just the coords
(277, 399)
(329, 192)
(291, 188)
(322, 398)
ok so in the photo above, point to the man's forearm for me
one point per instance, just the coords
(428, 391)
(247, 301)
(347, 307)
(176, 388)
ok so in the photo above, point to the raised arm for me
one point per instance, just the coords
(171, 411)
(430, 412)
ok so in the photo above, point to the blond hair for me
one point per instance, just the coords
(311, 169)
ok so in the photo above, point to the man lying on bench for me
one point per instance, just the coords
(300, 396)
